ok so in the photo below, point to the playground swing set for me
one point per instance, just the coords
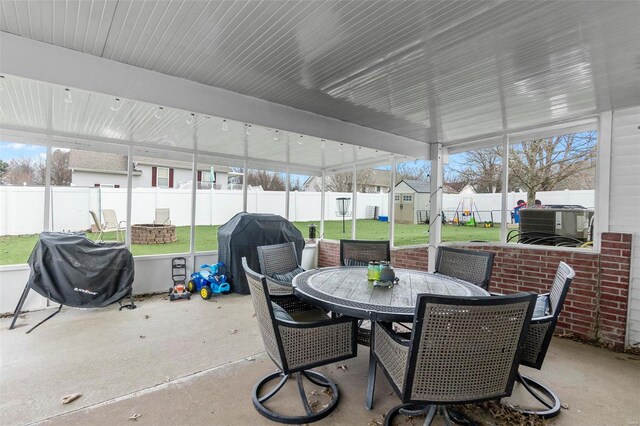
(467, 214)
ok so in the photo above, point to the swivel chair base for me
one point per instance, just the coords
(311, 416)
(430, 411)
(542, 394)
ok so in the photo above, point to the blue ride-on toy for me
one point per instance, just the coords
(210, 280)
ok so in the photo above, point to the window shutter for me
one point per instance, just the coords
(154, 176)
(199, 175)
(170, 178)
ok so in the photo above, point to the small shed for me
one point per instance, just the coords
(411, 201)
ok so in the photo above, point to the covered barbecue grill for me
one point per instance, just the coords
(72, 270)
(240, 236)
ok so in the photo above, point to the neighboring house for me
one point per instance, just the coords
(100, 169)
(411, 201)
(368, 180)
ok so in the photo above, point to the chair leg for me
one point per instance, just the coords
(543, 394)
(371, 381)
(310, 416)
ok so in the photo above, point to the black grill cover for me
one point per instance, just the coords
(240, 236)
(73, 270)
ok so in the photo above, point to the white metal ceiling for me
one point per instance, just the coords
(436, 70)
(75, 114)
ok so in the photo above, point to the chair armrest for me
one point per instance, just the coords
(397, 337)
(277, 287)
(291, 303)
(314, 343)
(541, 320)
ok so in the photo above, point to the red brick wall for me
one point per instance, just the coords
(596, 306)
(405, 257)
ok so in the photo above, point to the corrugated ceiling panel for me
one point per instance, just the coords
(394, 66)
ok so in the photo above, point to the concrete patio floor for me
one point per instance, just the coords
(195, 362)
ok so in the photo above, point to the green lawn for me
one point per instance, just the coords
(16, 249)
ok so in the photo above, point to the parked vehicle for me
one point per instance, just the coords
(209, 281)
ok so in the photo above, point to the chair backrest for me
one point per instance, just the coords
(110, 219)
(163, 216)
(467, 265)
(96, 221)
(278, 258)
(363, 251)
(541, 329)
(466, 349)
(264, 314)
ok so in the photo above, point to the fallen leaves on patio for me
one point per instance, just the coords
(70, 398)
(500, 415)
(135, 417)
(344, 367)
(233, 331)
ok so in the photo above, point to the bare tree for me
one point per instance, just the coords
(343, 182)
(415, 170)
(22, 171)
(60, 171)
(296, 184)
(544, 164)
(482, 169)
(269, 181)
(562, 162)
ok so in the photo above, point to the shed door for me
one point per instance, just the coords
(403, 207)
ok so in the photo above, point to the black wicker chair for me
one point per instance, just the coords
(360, 253)
(462, 350)
(278, 261)
(535, 349)
(471, 266)
(296, 343)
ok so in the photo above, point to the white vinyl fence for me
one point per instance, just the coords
(22, 208)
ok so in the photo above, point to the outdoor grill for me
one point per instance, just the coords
(241, 236)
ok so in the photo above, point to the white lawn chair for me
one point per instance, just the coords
(111, 223)
(163, 217)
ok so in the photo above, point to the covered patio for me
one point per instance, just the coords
(196, 363)
(309, 89)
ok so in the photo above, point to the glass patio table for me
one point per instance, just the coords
(347, 291)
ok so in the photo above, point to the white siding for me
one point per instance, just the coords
(624, 201)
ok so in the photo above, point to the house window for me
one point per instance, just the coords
(162, 177)
(397, 198)
(407, 198)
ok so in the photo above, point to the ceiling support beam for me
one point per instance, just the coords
(39, 61)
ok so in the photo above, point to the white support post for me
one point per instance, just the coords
(603, 177)
(287, 190)
(287, 186)
(47, 187)
(127, 236)
(392, 203)
(435, 214)
(47, 179)
(505, 214)
(322, 204)
(244, 185)
(194, 192)
(354, 193)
